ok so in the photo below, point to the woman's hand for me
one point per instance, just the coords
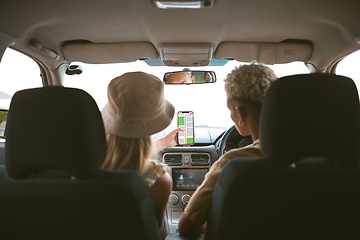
(169, 140)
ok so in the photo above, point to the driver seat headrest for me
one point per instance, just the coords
(54, 128)
(311, 115)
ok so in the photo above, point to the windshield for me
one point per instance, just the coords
(207, 101)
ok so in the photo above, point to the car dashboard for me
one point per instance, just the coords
(187, 167)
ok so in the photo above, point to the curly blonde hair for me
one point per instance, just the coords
(249, 83)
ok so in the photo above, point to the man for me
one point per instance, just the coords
(245, 89)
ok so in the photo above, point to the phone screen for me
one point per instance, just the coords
(186, 121)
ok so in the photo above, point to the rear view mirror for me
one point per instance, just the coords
(189, 77)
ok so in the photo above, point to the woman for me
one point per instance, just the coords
(245, 89)
(136, 109)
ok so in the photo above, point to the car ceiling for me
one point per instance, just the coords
(331, 27)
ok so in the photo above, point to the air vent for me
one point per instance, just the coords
(200, 159)
(173, 159)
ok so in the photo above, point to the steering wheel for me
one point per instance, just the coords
(232, 139)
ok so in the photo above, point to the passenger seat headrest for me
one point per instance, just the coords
(54, 128)
(311, 115)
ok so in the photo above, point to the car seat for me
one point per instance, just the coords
(307, 185)
(53, 188)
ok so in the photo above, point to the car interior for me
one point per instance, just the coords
(56, 60)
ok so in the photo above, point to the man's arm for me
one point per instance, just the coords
(193, 220)
(188, 228)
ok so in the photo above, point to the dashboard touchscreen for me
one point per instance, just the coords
(187, 178)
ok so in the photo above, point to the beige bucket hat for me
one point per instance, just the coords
(136, 106)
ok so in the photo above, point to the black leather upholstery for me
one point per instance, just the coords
(307, 186)
(55, 146)
(311, 115)
(54, 128)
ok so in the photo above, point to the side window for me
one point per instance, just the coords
(17, 72)
(350, 67)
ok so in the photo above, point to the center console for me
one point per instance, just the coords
(187, 170)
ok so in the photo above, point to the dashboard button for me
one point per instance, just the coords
(185, 199)
(186, 159)
(173, 199)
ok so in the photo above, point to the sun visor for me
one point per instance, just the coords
(109, 52)
(186, 54)
(267, 53)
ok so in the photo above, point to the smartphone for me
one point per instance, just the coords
(185, 119)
